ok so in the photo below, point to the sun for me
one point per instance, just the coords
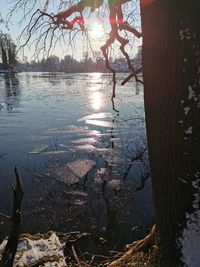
(96, 31)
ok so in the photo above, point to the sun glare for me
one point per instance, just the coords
(96, 31)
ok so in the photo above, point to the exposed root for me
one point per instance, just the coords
(138, 252)
(145, 243)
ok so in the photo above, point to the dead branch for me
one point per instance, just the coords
(11, 246)
(76, 256)
(125, 26)
(118, 24)
(113, 105)
(131, 76)
(4, 216)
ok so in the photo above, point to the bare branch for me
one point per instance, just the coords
(4, 216)
(132, 75)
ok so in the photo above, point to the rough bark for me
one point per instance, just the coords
(171, 69)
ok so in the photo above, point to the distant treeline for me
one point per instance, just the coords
(9, 61)
(70, 65)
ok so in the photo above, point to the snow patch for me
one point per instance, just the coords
(182, 180)
(44, 251)
(191, 92)
(189, 130)
(190, 239)
(185, 34)
(3, 245)
(197, 174)
(186, 110)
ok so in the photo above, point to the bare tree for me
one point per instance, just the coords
(8, 50)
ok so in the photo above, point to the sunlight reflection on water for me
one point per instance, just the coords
(95, 96)
(96, 100)
(50, 123)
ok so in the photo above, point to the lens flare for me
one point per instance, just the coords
(96, 31)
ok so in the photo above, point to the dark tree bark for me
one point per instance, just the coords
(171, 68)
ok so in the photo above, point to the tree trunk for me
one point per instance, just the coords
(171, 68)
(4, 56)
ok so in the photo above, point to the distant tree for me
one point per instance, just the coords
(88, 64)
(68, 64)
(8, 51)
(52, 63)
(4, 55)
(12, 53)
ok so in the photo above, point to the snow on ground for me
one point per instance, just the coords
(190, 239)
(44, 250)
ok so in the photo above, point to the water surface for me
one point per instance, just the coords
(83, 165)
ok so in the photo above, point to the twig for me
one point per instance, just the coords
(5, 216)
(75, 255)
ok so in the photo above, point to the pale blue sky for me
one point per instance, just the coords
(15, 30)
(14, 27)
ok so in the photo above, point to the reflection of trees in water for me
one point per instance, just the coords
(144, 172)
(83, 203)
(131, 147)
(12, 91)
(100, 203)
(120, 198)
(109, 202)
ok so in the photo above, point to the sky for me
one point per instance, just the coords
(13, 28)
(80, 47)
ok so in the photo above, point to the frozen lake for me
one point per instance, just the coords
(84, 166)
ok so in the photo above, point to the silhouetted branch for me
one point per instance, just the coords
(113, 105)
(132, 75)
(72, 19)
(11, 246)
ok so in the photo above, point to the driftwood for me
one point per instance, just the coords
(11, 246)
